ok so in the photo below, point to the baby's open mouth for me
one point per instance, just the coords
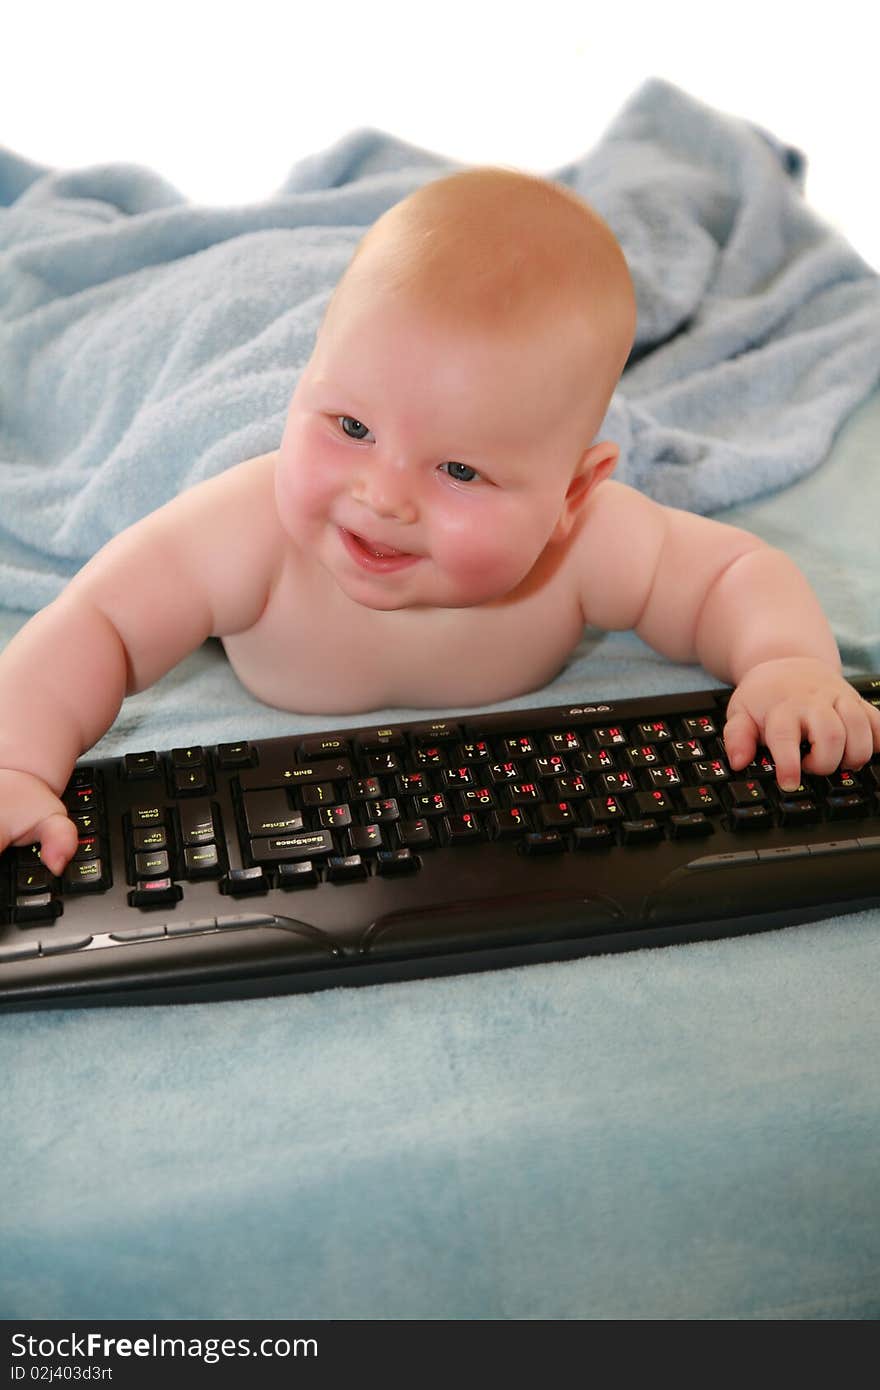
(383, 552)
(375, 556)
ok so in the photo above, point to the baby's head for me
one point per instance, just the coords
(461, 372)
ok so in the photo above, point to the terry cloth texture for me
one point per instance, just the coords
(147, 343)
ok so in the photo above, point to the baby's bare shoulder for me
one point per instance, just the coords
(616, 552)
(219, 543)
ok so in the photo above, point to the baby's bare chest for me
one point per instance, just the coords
(313, 654)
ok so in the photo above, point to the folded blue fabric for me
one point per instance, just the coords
(147, 343)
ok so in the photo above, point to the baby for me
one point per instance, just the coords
(437, 526)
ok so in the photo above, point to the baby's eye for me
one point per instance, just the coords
(461, 472)
(355, 429)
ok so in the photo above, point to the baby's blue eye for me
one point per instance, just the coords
(352, 427)
(461, 472)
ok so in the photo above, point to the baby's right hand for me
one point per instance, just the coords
(29, 811)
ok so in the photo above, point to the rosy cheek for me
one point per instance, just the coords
(479, 552)
(306, 484)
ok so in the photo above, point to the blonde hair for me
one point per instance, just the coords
(493, 249)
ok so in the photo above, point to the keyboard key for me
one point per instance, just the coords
(702, 726)
(365, 839)
(434, 732)
(392, 863)
(593, 837)
(609, 736)
(652, 804)
(800, 811)
(280, 769)
(645, 756)
(36, 879)
(201, 861)
(155, 892)
(567, 742)
(190, 781)
(240, 881)
(414, 834)
(668, 776)
(543, 842)
(323, 745)
(301, 844)
(432, 755)
(197, 822)
(302, 875)
(509, 824)
(461, 830)
(149, 839)
(847, 806)
(377, 740)
(383, 764)
(557, 815)
(187, 757)
(657, 731)
(153, 865)
(701, 798)
(641, 832)
(346, 868)
(690, 826)
(751, 817)
(139, 765)
(746, 793)
(232, 755)
(87, 876)
(524, 793)
(36, 907)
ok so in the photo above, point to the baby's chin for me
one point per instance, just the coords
(388, 596)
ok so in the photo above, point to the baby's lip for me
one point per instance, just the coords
(380, 548)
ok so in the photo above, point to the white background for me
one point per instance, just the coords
(223, 100)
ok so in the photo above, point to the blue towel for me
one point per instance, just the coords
(147, 343)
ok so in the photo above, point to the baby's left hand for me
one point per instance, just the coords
(778, 703)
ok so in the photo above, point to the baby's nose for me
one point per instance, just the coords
(386, 491)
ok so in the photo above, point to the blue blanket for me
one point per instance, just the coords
(146, 343)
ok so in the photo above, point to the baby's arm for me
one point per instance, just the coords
(699, 590)
(200, 566)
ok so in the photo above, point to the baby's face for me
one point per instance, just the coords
(422, 468)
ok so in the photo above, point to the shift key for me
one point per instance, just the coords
(277, 770)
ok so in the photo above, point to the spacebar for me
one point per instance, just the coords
(473, 924)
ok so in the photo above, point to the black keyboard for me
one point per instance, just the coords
(376, 853)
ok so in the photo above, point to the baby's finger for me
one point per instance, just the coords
(782, 735)
(874, 721)
(58, 840)
(859, 734)
(826, 732)
(740, 736)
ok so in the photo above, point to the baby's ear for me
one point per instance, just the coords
(597, 464)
